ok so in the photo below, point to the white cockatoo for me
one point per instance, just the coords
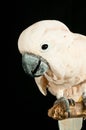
(56, 58)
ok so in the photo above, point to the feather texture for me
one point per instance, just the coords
(66, 58)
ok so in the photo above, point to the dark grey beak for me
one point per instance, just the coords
(34, 65)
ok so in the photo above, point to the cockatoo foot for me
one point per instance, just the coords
(66, 103)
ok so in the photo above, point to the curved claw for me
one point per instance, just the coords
(71, 102)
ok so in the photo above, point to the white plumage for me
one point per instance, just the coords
(66, 57)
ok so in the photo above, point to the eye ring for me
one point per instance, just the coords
(44, 46)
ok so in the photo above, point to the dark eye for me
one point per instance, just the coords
(44, 46)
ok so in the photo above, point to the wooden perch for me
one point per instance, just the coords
(58, 111)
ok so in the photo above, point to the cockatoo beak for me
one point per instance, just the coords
(34, 65)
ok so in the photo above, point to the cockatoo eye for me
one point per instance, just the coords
(44, 46)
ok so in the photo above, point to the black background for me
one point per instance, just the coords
(28, 107)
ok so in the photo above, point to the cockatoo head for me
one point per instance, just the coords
(40, 43)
